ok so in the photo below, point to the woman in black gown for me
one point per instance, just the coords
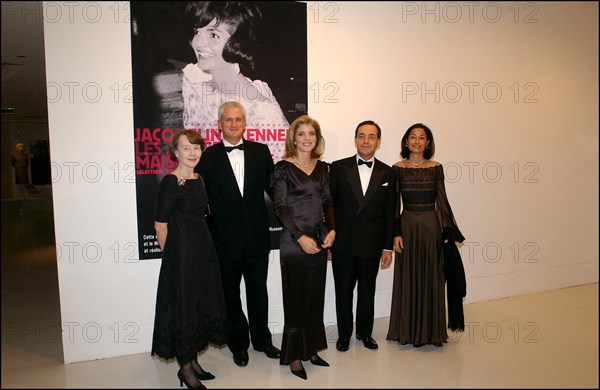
(190, 306)
(303, 204)
(418, 314)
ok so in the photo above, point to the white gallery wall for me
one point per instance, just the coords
(510, 91)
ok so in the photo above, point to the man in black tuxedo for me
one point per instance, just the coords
(237, 173)
(363, 193)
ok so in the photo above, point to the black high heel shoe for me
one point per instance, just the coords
(182, 380)
(301, 373)
(204, 376)
(318, 361)
(201, 375)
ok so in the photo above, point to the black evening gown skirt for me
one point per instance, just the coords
(190, 305)
(303, 286)
(418, 314)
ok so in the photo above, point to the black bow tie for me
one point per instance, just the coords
(367, 163)
(230, 148)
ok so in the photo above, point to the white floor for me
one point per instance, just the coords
(542, 340)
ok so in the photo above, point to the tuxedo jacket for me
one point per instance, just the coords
(364, 224)
(238, 220)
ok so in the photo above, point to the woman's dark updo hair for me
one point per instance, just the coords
(243, 18)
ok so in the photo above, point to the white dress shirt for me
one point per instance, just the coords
(365, 173)
(236, 159)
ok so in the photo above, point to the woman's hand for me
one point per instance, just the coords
(398, 244)
(309, 245)
(329, 238)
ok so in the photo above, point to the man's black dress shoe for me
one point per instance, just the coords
(368, 342)
(342, 345)
(270, 350)
(240, 358)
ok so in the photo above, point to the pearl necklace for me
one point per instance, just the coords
(306, 166)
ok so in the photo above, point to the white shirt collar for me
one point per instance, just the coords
(227, 143)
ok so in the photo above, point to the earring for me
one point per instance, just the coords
(294, 144)
(406, 145)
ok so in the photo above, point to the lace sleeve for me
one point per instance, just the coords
(390, 209)
(398, 208)
(200, 101)
(186, 92)
(449, 225)
(266, 110)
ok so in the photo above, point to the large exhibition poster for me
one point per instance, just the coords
(176, 66)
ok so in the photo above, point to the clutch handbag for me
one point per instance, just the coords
(320, 234)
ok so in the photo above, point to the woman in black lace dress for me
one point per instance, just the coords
(303, 204)
(190, 307)
(423, 221)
